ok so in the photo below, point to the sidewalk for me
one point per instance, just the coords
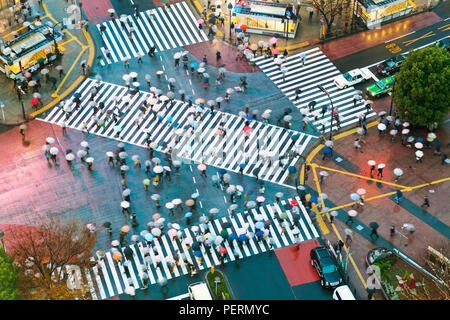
(74, 51)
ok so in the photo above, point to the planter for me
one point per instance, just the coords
(399, 275)
(220, 289)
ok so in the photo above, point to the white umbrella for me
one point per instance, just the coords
(419, 154)
(352, 213)
(115, 243)
(125, 204)
(323, 173)
(81, 153)
(133, 74)
(126, 77)
(381, 166)
(177, 201)
(398, 171)
(214, 211)
(405, 124)
(109, 154)
(381, 126)
(70, 156)
(323, 196)
(418, 145)
(176, 226)
(405, 131)
(89, 160)
(177, 55)
(371, 162)
(170, 205)
(156, 232)
(158, 169)
(54, 151)
(361, 191)
(84, 144)
(50, 140)
(393, 132)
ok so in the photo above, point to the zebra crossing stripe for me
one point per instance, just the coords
(105, 275)
(193, 20)
(147, 265)
(91, 285)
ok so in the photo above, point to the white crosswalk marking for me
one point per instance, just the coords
(137, 265)
(279, 148)
(318, 70)
(164, 28)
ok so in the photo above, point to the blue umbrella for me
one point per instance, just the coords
(295, 137)
(175, 124)
(327, 150)
(169, 119)
(189, 97)
(77, 95)
(195, 246)
(292, 169)
(149, 237)
(212, 238)
(419, 140)
(313, 199)
(160, 117)
(188, 214)
(194, 64)
(242, 237)
(152, 174)
(198, 254)
(249, 118)
(259, 225)
(242, 165)
(259, 233)
(186, 127)
(232, 237)
(238, 30)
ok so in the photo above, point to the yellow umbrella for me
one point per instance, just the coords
(117, 256)
(159, 72)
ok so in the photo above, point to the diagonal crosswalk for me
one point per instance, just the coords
(161, 27)
(111, 278)
(318, 70)
(173, 126)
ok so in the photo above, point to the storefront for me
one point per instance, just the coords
(374, 12)
(29, 51)
(267, 18)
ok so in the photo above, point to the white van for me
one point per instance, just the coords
(343, 293)
(199, 291)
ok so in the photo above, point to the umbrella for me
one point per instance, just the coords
(219, 99)
(405, 131)
(176, 226)
(54, 151)
(81, 153)
(373, 225)
(273, 40)
(283, 215)
(371, 162)
(348, 231)
(160, 221)
(124, 168)
(44, 71)
(201, 167)
(195, 195)
(418, 145)
(323, 196)
(323, 173)
(224, 233)
(202, 219)
(214, 211)
(117, 256)
(419, 154)
(125, 204)
(189, 202)
(123, 155)
(156, 216)
(177, 201)
(50, 140)
(198, 254)
(218, 240)
(223, 250)
(156, 232)
(361, 191)
(251, 204)
(170, 205)
(334, 213)
(70, 157)
(259, 225)
(354, 196)
(259, 217)
(381, 126)
(231, 189)
(84, 144)
(199, 101)
(398, 171)
(158, 169)
(148, 237)
(200, 21)
(242, 237)
(133, 74)
(115, 243)
(232, 237)
(405, 124)
(172, 232)
(188, 214)
(35, 101)
(327, 150)
(431, 135)
(90, 160)
(393, 132)
(381, 166)
(352, 213)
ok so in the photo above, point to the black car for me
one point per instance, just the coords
(390, 66)
(326, 268)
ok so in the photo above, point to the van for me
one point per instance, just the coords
(199, 291)
(343, 293)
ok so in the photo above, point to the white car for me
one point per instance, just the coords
(352, 77)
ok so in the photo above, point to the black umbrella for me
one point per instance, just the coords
(128, 253)
(312, 103)
(287, 206)
(222, 65)
(226, 225)
(107, 224)
(102, 28)
(373, 225)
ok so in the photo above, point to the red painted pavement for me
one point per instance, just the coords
(364, 40)
(227, 52)
(96, 10)
(296, 264)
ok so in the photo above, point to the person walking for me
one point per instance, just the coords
(64, 128)
(205, 59)
(22, 132)
(380, 172)
(218, 56)
(398, 196)
(349, 219)
(357, 145)
(426, 202)
(126, 63)
(151, 52)
(374, 232)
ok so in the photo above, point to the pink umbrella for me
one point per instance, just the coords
(172, 232)
(275, 51)
(361, 191)
(156, 216)
(273, 40)
(201, 167)
(200, 21)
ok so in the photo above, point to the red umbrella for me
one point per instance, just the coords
(294, 203)
(223, 250)
(247, 129)
(35, 101)
(243, 27)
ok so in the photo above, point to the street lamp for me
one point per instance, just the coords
(332, 107)
(392, 94)
(2, 234)
(20, 92)
(230, 7)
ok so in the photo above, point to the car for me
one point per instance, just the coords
(343, 293)
(199, 291)
(352, 77)
(390, 66)
(326, 268)
(444, 44)
(381, 87)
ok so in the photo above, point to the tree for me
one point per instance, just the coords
(8, 277)
(44, 254)
(421, 87)
(329, 9)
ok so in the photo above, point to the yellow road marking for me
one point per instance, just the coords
(319, 219)
(426, 35)
(198, 5)
(447, 27)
